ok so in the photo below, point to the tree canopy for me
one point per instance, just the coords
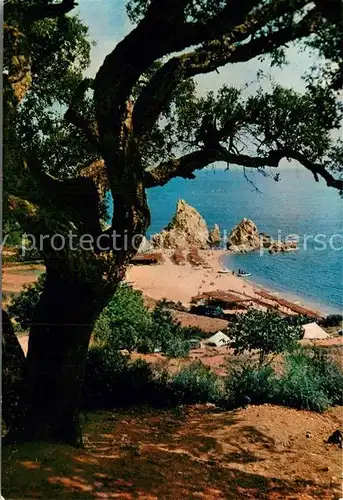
(139, 123)
(143, 108)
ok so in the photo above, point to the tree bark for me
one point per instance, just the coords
(58, 344)
(13, 365)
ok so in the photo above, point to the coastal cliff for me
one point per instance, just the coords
(186, 229)
(245, 237)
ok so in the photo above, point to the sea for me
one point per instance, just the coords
(295, 205)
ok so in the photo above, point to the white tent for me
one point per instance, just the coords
(313, 331)
(219, 339)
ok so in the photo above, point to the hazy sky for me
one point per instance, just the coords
(108, 24)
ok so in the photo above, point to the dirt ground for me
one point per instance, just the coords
(15, 276)
(198, 452)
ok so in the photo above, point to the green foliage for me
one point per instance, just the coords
(330, 374)
(250, 385)
(60, 53)
(310, 381)
(168, 334)
(266, 332)
(112, 381)
(195, 10)
(197, 383)
(301, 386)
(126, 323)
(104, 370)
(298, 320)
(332, 320)
(23, 305)
(302, 122)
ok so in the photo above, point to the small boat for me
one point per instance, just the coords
(225, 271)
(243, 274)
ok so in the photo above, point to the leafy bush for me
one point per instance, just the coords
(250, 385)
(168, 334)
(297, 319)
(266, 332)
(104, 371)
(302, 385)
(125, 322)
(112, 381)
(332, 320)
(197, 383)
(330, 374)
(23, 305)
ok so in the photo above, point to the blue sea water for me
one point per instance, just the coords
(294, 205)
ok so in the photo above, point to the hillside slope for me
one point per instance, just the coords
(197, 452)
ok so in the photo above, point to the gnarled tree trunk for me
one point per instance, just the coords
(13, 366)
(58, 344)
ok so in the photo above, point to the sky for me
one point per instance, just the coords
(108, 24)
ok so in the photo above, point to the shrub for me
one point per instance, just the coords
(167, 332)
(330, 374)
(104, 371)
(250, 385)
(332, 320)
(310, 381)
(197, 383)
(23, 305)
(301, 386)
(266, 332)
(112, 381)
(176, 347)
(125, 322)
(297, 319)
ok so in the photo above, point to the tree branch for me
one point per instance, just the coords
(223, 51)
(88, 128)
(180, 167)
(36, 13)
(186, 165)
(73, 116)
(155, 95)
(239, 24)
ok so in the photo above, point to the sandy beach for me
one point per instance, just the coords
(182, 282)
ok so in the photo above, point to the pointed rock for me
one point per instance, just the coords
(186, 229)
(214, 238)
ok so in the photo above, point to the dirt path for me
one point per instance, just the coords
(264, 452)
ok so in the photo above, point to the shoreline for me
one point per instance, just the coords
(182, 282)
(293, 297)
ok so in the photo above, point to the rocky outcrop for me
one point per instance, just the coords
(281, 246)
(186, 229)
(214, 238)
(145, 246)
(245, 237)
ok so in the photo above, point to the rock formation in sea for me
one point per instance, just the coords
(245, 237)
(214, 236)
(186, 229)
